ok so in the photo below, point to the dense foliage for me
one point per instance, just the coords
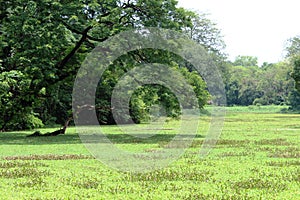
(253, 85)
(293, 50)
(43, 44)
(293, 54)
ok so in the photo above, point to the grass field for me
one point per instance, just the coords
(256, 157)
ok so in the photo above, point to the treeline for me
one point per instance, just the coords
(269, 84)
(272, 83)
(43, 44)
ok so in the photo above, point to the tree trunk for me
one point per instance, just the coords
(54, 133)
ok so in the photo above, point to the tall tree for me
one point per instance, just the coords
(293, 52)
(205, 32)
(296, 72)
(44, 42)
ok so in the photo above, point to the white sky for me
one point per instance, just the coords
(254, 28)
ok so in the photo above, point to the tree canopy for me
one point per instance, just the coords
(293, 52)
(246, 61)
(43, 44)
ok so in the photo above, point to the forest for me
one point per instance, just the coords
(43, 44)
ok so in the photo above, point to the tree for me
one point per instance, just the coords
(261, 86)
(206, 33)
(242, 85)
(246, 61)
(293, 46)
(44, 42)
(294, 99)
(293, 52)
(296, 72)
(145, 97)
(276, 83)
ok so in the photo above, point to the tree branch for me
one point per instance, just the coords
(87, 35)
(74, 50)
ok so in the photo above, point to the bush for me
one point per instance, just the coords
(25, 121)
(294, 100)
(31, 122)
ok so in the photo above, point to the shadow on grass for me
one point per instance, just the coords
(21, 139)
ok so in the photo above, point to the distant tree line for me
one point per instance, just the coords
(250, 84)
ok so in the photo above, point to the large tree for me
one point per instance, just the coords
(43, 44)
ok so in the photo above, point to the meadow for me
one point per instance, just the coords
(256, 157)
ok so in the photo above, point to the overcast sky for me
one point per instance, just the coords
(256, 28)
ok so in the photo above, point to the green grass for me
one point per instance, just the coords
(256, 109)
(256, 157)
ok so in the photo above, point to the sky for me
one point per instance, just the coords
(252, 28)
